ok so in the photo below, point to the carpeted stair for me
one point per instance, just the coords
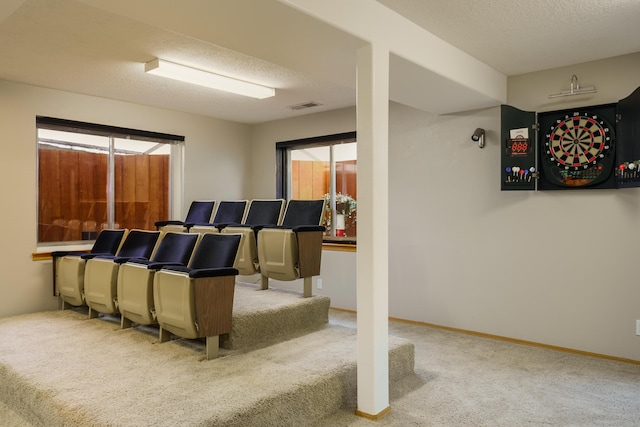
(60, 368)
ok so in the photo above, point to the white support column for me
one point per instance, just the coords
(373, 224)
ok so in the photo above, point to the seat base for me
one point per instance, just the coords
(69, 279)
(100, 285)
(307, 290)
(286, 255)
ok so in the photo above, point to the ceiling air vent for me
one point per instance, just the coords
(304, 105)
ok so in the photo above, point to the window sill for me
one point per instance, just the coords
(342, 244)
(339, 244)
(44, 253)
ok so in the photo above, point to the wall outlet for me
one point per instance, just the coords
(638, 327)
(319, 285)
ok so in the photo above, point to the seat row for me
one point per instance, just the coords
(290, 235)
(173, 279)
(212, 213)
(183, 280)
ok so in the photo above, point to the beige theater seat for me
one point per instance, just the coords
(101, 272)
(135, 277)
(197, 301)
(261, 213)
(227, 212)
(294, 249)
(199, 212)
(69, 267)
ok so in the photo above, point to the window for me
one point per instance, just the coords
(92, 177)
(322, 167)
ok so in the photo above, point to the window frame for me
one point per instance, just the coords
(282, 181)
(176, 158)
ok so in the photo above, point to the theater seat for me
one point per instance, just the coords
(261, 213)
(135, 277)
(227, 212)
(101, 272)
(199, 212)
(69, 266)
(197, 301)
(293, 250)
(230, 212)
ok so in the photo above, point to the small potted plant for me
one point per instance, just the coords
(345, 212)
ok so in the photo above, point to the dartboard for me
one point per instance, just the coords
(579, 148)
(578, 141)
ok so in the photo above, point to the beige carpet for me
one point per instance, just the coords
(60, 368)
(261, 317)
(463, 380)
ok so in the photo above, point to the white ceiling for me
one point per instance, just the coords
(521, 36)
(99, 47)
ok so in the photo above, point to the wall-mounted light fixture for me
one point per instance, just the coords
(574, 89)
(183, 73)
(478, 136)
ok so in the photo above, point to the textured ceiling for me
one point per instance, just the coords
(89, 47)
(521, 36)
(99, 47)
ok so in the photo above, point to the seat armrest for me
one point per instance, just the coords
(221, 226)
(170, 222)
(259, 227)
(303, 228)
(160, 265)
(123, 259)
(213, 272)
(94, 255)
(198, 224)
(101, 256)
(178, 268)
(140, 261)
(60, 254)
(296, 229)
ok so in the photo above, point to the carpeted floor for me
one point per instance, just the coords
(466, 380)
(61, 368)
(463, 380)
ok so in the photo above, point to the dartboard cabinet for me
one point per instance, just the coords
(579, 148)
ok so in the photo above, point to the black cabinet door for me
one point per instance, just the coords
(518, 141)
(628, 130)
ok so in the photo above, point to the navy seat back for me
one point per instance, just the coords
(216, 251)
(230, 212)
(107, 242)
(264, 212)
(200, 212)
(303, 212)
(139, 244)
(175, 247)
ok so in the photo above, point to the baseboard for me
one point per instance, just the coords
(374, 417)
(506, 339)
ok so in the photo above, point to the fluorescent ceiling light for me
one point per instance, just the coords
(183, 73)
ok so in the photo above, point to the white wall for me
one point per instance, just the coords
(217, 158)
(337, 275)
(465, 254)
(551, 267)
(614, 78)
(264, 136)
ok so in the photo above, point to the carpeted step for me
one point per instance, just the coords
(262, 317)
(58, 368)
